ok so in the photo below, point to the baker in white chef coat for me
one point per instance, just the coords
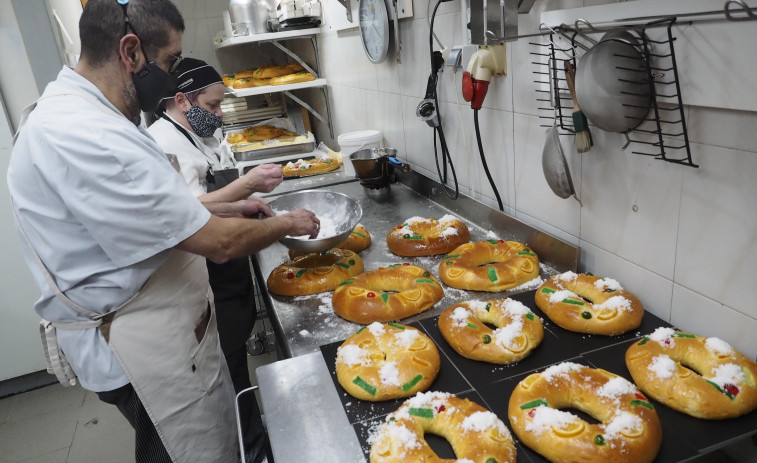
(117, 242)
(189, 117)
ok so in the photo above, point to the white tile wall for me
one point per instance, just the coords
(683, 238)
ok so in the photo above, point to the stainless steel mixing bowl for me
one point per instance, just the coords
(339, 208)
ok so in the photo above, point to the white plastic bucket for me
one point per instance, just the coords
(354, 141)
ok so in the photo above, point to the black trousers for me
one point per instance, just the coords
(149, 448)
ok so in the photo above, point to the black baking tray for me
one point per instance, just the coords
(367, 428)
(684, 438)
(449, 380)
(704, 435)
(497, 395)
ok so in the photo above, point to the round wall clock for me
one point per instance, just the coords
(374, 29)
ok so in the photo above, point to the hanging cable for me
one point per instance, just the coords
(483, 160)
(428, 111)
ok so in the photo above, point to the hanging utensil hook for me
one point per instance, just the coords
(569, 53)
(741, 8)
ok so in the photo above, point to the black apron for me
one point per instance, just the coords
(233, 290)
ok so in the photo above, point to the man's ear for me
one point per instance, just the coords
(130, 53)
(182, 102)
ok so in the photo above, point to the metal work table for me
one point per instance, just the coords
(302, 324)
(310, 417)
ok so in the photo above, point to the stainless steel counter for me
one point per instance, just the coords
(304, 417)
(304, 323)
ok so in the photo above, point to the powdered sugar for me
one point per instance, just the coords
(623, 423)
(558, 296)
(477, 306)
(482, 421)
(730, 373)
(389, 374)
(718, 346)
(377, 329)
(351, 354)
(616, 387)
(561, 369)
(663, 335)
(407, 337)
(607, 284)
(546, 418)
(567, 276)
(505, 335)
(460, 315)
(425, 399)
(403, 436)
(662, 366)
(516, 308)
(618, 303)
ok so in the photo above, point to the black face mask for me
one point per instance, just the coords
(152, 83)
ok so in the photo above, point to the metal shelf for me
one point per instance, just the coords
(242, 92)
(268, 37)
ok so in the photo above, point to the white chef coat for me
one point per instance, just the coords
(194, 160)
(102, 206)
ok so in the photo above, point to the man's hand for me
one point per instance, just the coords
(264, 178)
(304, 222)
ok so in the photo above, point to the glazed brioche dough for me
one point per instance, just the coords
(464, 327)
(387, 294)
(702, 377)
(492, 265)
(589, 304)
(313, 166)
(419, 236)
(314, 273)
(628, 431)
(292, 78)
(475, 434)
(382, 362)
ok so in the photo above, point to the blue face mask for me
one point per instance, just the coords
(203, 122)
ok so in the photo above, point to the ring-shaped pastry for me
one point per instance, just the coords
(387, 294)
(314, 273)
(386, 361)
(475, 434)
(418, 236)
(492, 265)
(628, 430)
(589, 304)
(312, 166)
(518, 332)
(702, 377)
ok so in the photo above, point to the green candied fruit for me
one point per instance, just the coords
(491, 460)
(323, 253)
(450, 262)
(488, 306)
(426, 274)
(599, 439)
(486, 339)
(586, 315)
(406, 236)
(352, 261)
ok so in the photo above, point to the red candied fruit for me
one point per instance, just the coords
(370, 295)
(290, 276)
(532, 412)
(406, 263)
(731, 389)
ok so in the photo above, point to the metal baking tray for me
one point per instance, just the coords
(685, 437)
(242, 155)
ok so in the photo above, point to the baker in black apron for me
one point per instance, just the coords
(191, 114)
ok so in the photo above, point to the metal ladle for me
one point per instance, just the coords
(555, 166)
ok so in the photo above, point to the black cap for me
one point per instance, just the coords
(192, 75)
